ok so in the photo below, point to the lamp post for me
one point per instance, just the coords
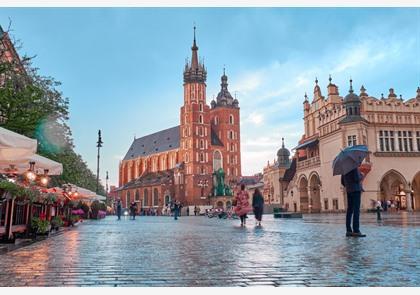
(98, 145)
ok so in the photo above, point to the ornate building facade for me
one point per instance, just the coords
(179, 162)
(389, 126)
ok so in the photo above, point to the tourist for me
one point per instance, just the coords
(258, 205)
(176, 209)
(188, 210)
(385, 205)
(352, 181)
(196, 210)
(133, 208)
(242, 205)
(119, 209)
(378, 210)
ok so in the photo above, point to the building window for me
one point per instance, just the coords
(386, 141)
(418, 140)
(127, 200)
(200, 131)
(231, 119)
(405, 141)
(200, 119)
(351, 140)
(325, 204)
(155, 197)
(335, 204)
(145, 198)
(230, 134)
(201, 157)
(137, 195)
(201, 107)
(217, 160)
(216, 120)
(201, 144)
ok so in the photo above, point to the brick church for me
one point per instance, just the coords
(179, 162)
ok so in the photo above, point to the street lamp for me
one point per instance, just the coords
(98, 145)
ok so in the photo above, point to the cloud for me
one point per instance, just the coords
(272, 95)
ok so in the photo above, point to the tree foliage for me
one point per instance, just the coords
(33, 105)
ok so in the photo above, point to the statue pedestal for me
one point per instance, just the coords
(224, 202)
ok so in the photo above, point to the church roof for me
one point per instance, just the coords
(148, 179)
(290, 172)
(161, 141)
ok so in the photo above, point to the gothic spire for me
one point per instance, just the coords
(194, 58)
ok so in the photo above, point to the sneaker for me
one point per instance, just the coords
(349, 234)
(358, 235)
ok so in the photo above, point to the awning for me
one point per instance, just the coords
(15, 146)
(307, 144)
(41, 163)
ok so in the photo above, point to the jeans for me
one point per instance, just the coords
(378, 213)
(353, 209)
(176, 214)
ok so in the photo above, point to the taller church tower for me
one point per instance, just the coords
(195, 132)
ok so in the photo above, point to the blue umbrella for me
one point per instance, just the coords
(349, 158)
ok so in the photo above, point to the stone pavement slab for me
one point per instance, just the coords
(198, 251)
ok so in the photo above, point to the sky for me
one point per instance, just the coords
(121, 68)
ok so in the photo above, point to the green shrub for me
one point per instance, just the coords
(39, 226)
(56, 222)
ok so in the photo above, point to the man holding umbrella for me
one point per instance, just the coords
(346, 164)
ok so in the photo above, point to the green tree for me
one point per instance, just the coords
(33, 105)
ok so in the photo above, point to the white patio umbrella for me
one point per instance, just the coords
(15, 146)
(21, 165)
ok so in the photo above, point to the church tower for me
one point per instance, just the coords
(195, 132)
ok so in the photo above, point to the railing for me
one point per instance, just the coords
(314, 161)
(19, 214)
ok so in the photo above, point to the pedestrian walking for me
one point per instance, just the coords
(242, 206)
(133, 209)
(196, 210)
(177, 206)
(352, 181)
(188, 210)
(378, 210)
(258, 205)
(119, 209)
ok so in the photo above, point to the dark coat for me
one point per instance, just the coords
(257, 201)
(352, 181)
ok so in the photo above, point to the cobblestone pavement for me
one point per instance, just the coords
(198, 251)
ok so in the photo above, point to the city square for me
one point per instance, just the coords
(157, 147)
(199, 251)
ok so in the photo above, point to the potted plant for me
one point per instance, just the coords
(56, 222)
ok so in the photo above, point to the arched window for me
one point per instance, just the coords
(155, 197)
(231, 119)
(145, 198)
(200, 119)
(216, 120)
(137, 195)
(201, 144)
(217, 160)
(201, 157)
(230, 134)
(200, 131)
(186, 158)
(127, 199)
(201, 107)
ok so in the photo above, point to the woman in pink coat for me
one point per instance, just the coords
(242, 205)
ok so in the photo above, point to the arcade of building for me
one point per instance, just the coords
(389, 126)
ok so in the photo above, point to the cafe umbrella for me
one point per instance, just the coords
(349, 158)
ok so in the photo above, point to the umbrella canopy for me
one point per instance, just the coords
(15, 146)
(349, 158)
(41, 163)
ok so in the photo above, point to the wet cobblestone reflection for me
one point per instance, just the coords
(198, 251)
